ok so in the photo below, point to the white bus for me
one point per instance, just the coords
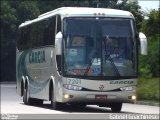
(82, 56)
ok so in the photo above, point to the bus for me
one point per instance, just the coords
(79, 56)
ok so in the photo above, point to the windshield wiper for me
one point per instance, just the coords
(89, 65)
(109, 58)
(114, 66)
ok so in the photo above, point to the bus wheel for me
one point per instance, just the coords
(54, 104)
(82, 104)
(116, 107)
(38, 102)
(34, 101)
(26, 98)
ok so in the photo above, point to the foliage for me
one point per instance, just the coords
(150, 64)
(8, 19)
(148, 89)
(153, 21)
(27, 10)
(134, 8)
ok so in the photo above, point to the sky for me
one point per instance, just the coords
(149, 4)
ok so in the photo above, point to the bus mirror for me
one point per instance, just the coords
(58, 43)
(143, 43)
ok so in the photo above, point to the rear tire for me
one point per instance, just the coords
(36, 102)
(116, 107)
(30, 101)
(26, 99)
(82, 104)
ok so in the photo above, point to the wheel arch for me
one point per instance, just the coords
(51, 86)
(24, 83)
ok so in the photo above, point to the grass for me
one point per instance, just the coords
(148, 89)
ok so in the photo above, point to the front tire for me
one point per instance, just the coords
(116, 107)
(54, 104)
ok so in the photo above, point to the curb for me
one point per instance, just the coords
(147, 103)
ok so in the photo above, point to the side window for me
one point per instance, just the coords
(31, 36)
(40, 33)
(49, 26)
(52, 28)
(23, 43)
(58, 19)
(46, 32)
(19, 39)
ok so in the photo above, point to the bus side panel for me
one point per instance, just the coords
(18, 74)
(38, 65)
(40, 69)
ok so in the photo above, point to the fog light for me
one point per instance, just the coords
(66, 96)
(133, 97)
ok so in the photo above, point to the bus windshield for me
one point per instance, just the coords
(99, 47)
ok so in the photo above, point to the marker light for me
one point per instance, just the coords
(99, 14)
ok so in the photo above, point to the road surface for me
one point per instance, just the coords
(11, 103)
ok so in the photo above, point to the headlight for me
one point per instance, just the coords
(128, 88)
(72, 87)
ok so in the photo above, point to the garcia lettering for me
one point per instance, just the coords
(37, 57)
(121, 82)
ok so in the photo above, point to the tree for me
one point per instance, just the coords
(27, 10)
(12, 14)
(8, 27)
(150, 63)
(153, 21)
(134, 8)
(8, 20)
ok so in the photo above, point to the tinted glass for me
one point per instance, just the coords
(99, 47)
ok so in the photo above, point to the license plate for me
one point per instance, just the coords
(101, 97)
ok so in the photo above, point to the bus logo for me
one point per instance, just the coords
(101, 87)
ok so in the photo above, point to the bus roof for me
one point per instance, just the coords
(81, 12)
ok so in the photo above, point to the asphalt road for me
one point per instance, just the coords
(11, 103)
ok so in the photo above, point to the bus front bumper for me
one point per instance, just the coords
(70, 96)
